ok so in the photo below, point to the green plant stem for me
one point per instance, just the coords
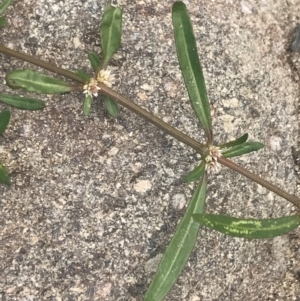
(201, 148)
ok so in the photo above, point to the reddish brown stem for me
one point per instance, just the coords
(201, 148)
(245, 172)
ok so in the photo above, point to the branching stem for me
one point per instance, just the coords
(200, 148)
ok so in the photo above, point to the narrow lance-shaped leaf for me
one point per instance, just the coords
(24, 103)
(249, 228)
(2, 22)
(110, 33)
(235, 142)
(94, 59)
(242, 149)
(179, 248)
(4, 177)
(4, 120)
(111, 107)
(4, 5)
(196, 173)
(87, 105)
(190, 66)
(34, 81)
(83, 75)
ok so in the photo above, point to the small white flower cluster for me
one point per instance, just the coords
(91, 88)
(212, 165)
(104, 77)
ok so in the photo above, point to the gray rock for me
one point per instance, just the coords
(92, 207)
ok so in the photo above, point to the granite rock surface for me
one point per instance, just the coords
(94, 200)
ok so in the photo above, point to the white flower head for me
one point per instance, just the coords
(209, 158)
(212, 165)
(214, 152)
(106, 78)
(91, 88)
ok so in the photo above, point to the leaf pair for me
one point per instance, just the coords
(184, 239)
(185, 236)
(239, 147)
(33, 81)
(110, 34)
(233, 148)
(111, 106)
(191, 69)
(194, 81)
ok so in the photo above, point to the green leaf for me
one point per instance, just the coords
(24, 103)
(249, 228)
(110, 33)
(242, 149)
(179, 248)
(195, 174)
(111, 107)
(94, 59)
(4, 177)
(2, 22)
(235, 142)
(87, 105)
(190, 66)
(34, 81)
(83, 75)
(4, 6)
(4, 120)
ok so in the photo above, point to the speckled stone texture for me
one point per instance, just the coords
(94, 201)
